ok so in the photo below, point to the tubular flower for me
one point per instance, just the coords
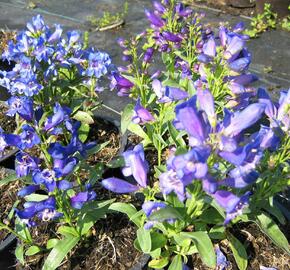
(141, 115)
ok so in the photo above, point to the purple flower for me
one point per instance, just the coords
(136, 165)
(46, 177)
(3, 143)
(56, 35)
(189, 119)
(36, 26)
(141, 115)
(148, 55)
(121, 84)
(244, 119)
(63, 167)
(149, 207)
(169, 182)
(234, 47)
(190, 166)
(118, 185)
(98, 64)
(154, 19)
(159, 7)
(81, 198)
(232, 204)
(21, 105)
(28, 190)
(46, 207)
(25, 164)
(206, 104)
(60, 114)
(28, 137)
(209, 48)
(209, 184)
(171, 37)
(167, 94)
(221, 260)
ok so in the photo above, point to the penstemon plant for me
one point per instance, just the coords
(225, 143)
(54, 89)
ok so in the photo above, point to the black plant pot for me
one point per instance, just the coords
(8, 160)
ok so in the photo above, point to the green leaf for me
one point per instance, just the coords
(269, 227)
(9, 178)
(59, 252)
(176, 263)
(19, 254)
(274, 210)
(211, 216)
(165, 213)
(67, 231)
(84, 132)
(144, 239)
(126, 117)
(217, 232)
(117, 162)
(239, 252)
(158, 240)
(174, 135)
(35, 197)
(204, 247)
(90, 213)
(32, 250)
(159, 263)
(127, 209)
(214, 204)
(83, 117)
(51, 243)
(136, 129)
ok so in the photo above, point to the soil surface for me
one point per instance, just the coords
(260, 249)
(8, 195)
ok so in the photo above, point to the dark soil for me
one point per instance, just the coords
(8, 195)
(103, 131)
(260, 249)
(7, 123)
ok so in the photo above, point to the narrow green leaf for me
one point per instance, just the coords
(136, 129)
(83, 117)
(90, 213)
(9, 178)
(84, 132)
(32, 250)
(125, 208)
(159, 263)
(117, 162)
(176, 263)
(269, 227)
(204, 246)
(165, 213)
(59, 252)
(51, 243)
(19, 254)
(239, 252)
(35, 197)
(174, 135)
(144, 239)
(126, 117)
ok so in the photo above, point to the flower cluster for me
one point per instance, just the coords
(44, 59)
(216, 138)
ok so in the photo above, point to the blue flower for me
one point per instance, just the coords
(99, 63)
(60, 114)
(46, 177)
(232, 204)
(25, 164)
(28, 137)
(81, 198)
(141, 115)
(21, 105)
(136, 165)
